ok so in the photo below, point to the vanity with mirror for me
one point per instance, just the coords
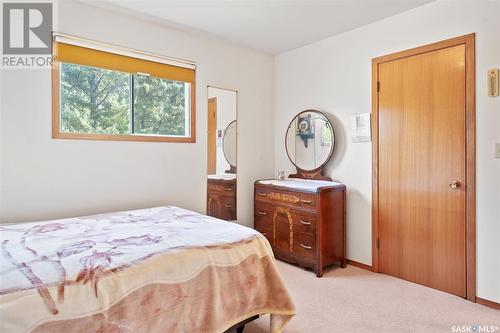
(221, 178)
(303, 215)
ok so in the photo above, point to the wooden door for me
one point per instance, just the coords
(212, 136)
(421, 168)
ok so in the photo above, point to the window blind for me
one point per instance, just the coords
(86, 52)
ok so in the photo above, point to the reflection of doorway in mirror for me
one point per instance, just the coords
(212, 135)
(226, 113)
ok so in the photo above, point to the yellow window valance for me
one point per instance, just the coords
(74, 54)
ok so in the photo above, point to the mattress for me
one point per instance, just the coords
(163, 269)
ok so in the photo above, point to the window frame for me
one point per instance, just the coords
(56, 116)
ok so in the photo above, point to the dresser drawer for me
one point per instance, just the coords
(229, 189)
(298, 199)
(263, 217)
(221, 206)
(304, 223)
(263, 221)
(268, 233)
(227, 208)
(304, 245)
(263, 210)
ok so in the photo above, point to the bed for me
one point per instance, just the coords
(163, 269)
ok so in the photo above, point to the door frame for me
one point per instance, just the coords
(212, 100)
(470, 150)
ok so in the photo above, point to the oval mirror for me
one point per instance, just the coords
(310, 140)
(229, 144)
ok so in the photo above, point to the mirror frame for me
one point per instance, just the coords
(232, 168)
(316, 173)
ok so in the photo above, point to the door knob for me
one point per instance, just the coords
(454, 185)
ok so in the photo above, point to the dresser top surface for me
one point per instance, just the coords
(225, 176)
(300, 184)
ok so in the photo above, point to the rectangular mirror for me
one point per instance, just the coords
(222, 149)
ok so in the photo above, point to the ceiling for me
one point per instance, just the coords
(269, 26)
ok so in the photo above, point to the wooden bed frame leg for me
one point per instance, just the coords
(343, 263)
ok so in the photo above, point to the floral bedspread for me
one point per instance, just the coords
(163, 269)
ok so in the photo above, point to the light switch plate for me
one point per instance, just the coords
(497, 150)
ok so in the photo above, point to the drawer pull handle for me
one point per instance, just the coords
(305, 201)
(307, 247)
(227, 189)
(260, 212)
(305, 222)
(228, 205)
(263, 233)
(262, 194)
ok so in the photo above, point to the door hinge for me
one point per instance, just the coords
(378, 86)
(378, 243)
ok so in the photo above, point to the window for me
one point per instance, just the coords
(107, 96)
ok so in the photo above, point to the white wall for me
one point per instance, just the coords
(334, 76)
(44, 178)
(226, 113)
(1, 147)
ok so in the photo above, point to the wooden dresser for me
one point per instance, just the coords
(221, 198)
(304, 221)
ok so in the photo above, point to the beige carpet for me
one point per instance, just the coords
(356, 300)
